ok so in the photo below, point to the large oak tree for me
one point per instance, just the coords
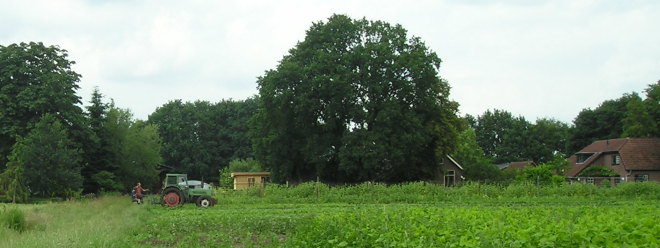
(356, 100)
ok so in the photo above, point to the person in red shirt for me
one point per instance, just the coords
(138, 192)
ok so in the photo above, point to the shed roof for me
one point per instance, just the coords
(256, 174)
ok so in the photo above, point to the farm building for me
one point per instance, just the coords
(451, 172)
(244, 180)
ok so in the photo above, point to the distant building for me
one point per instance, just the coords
(244, 180)
(631, 159)
(451, 172)
(516, 165)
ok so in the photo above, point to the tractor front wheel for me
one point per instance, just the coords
(205, 201)
(172, 197)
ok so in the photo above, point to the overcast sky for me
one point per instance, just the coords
(532, 58)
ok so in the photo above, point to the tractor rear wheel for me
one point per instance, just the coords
(172, 197)
(204, 201)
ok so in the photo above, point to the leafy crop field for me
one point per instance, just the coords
(415, 215)
(407, 225)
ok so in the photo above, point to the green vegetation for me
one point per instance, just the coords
(104, 222)
(365, 215)
(355, 101)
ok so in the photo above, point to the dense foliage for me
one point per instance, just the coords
(416, 214)
(365, 215)
(200, 138)
(50, 160)
(36, 80)
(505, 138)
(54, 147)
(356, 100)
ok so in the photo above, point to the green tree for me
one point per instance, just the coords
(12, 183)
(604, 122)
(503, 137)
(238, 165)
(99, 169)
(542, 175)
(477, 167)
(548, 137)
(50, 161)
(356, 100)
(467, 151)
(652, 103)
(199, 138)
(638, 123)
(36, 80)
(136, 146)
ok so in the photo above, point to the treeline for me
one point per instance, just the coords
(355, 101)
(200, 138)
(50, 146)
(498, 136)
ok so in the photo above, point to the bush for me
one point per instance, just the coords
(13, 219)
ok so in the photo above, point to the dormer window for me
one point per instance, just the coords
(583, 157)
(616, 159)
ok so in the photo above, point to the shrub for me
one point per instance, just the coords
(13, 219)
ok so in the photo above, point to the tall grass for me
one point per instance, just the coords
(103, 222)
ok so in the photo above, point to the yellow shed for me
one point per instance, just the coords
(244, 180)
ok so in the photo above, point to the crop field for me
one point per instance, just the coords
(407, 225)
(415, 215)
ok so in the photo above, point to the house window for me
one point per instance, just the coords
(251, 181)
(641, 177)
(616, 159)
(583, 157)
(617, 181)
(590, 180)
(450, 178)
(264, 180)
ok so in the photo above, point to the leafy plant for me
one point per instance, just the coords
(598, 171)
(14, 219)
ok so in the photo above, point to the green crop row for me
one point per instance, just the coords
(483, 226)
(627, 224)
(421, 192)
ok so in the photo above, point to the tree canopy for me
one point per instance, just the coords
(200, 138)
(50, 160)
(36, 80)
(356, 100)
(603, 122)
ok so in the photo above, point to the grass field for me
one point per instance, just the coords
(416, 215)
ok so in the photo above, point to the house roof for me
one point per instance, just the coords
(454, 161)
(520, 165)
(515, 165)
(255, 174)
(636, 154)
(641, 154)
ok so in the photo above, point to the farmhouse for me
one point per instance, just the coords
(625, 159)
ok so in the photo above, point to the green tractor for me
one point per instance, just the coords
(177, 190)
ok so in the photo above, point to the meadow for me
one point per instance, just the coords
(365, 215)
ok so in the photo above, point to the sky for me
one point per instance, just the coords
(536, 59)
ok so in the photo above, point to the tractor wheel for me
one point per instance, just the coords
(172, 197)
(205, 201)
